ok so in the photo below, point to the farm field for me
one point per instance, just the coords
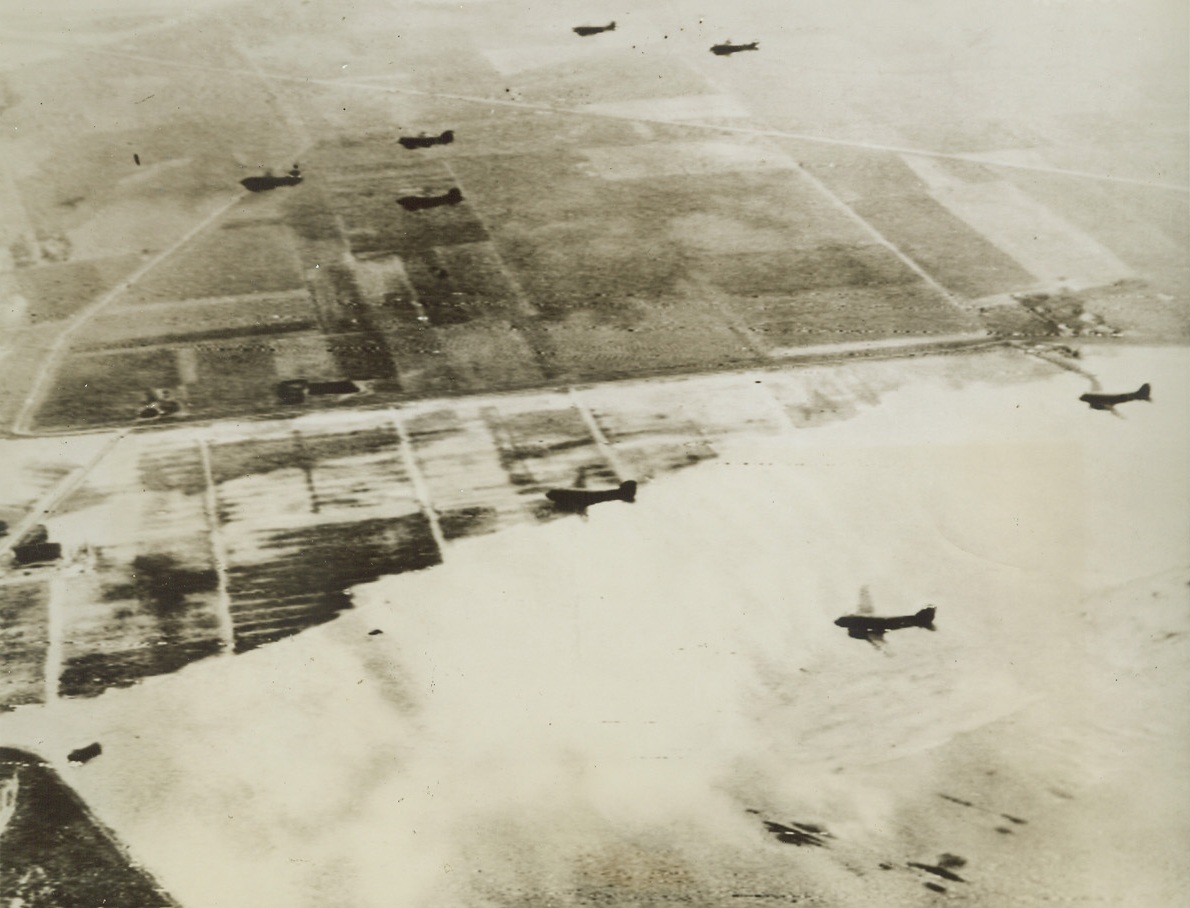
(306, 306)
(627, 208)
(188, 543)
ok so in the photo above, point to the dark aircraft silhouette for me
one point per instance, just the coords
(727, 47)
(585, 30)
(423, 141)
(578, 500)
(421, 202)
(865, 626)
(1108, 401)
(268, 181)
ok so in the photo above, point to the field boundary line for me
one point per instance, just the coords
(420, 488)
(601, 442)
(227, 631)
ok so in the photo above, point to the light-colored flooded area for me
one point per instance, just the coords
(611, 708)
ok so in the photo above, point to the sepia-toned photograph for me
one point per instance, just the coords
(594, 454)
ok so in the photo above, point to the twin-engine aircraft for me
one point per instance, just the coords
(863, 625)
(1108, 402)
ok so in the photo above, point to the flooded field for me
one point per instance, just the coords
(664, 680)
(179, 545)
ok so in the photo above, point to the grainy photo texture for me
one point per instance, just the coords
(494, 454)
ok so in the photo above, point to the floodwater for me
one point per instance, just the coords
(628, 709)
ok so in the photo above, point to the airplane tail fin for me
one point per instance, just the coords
(925, 618)
(612, 27)
(628, 490)
(447, 136)
(1144, 392)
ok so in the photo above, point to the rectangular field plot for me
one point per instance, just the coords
(798, 269)
(489, 355)
(234, 376)
(1040, 240)
(461, 467)
(455, 284)
(846, 314)
(542, 446)
(646, 427)
(308, 569)
(676, 335)
(589, 240)
(231, 261)
(138, 615)
(373, 224)
(176, 323)
(308, 509)
(946, 247)
(24, 639)
(56, 292)
(107, 388)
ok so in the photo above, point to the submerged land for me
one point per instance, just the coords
(275, 360)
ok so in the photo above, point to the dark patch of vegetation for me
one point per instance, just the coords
(56, 853)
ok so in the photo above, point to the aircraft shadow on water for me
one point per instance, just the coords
(726, 48)
(863, 625)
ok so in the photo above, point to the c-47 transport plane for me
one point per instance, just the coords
(269, 181)
(1109, 401)
(722, 50)
(578, 500)
(865, 626)
(584, 31)
(421, 202)
(423, 141)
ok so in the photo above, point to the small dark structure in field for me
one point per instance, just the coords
(297, 390)
(3, 528)
(269, 181)
(584, 31)
(37, 552)
(421, 202)
(85, 754)
(423, 141)
(722, 50)
(158, 402)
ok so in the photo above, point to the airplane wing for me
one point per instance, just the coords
(865, 601)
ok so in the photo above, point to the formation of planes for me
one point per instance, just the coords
(721, 50)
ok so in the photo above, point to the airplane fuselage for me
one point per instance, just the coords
(411, 142)
(723, 50)
(585, 31)
(422, 202)
(578, 500)
(1107, 401)
(868, 627)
